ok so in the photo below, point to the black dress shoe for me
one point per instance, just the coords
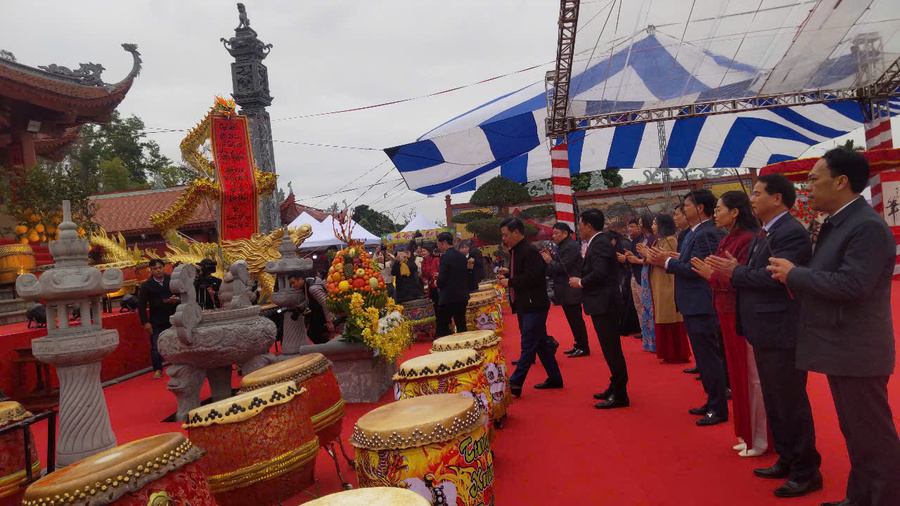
(711, 419)
(800, 488)
(547, 384)
(776, 472)
(699, 411)
(516, 390)
(692, 370)
(569, 352)
(845, 502)
(554, 343)
(602, 396)
(614, 401)
(580, 353)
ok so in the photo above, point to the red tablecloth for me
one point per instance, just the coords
(132, 354)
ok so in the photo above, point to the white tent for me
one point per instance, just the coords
(419, 223)
(359, 233)
(322, 233)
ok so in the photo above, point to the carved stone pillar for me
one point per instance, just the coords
(250, 82)
(76, 351)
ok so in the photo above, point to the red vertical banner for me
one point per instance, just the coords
(239, 200)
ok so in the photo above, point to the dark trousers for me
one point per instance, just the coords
(446, 312)
(703, 332)
(155, 357)
(788, 411)
(607, 328)
(576, 322)
(535, 343)
(872, 443)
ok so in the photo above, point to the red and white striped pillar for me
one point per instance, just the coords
(878, 128)
(562, 185)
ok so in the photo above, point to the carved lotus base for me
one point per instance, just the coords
(75, 349)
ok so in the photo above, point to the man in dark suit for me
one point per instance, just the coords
(452, 285)
(474, 263)
(846, 330)
(527, 284)
(162, 303)
(599, 283)
(767, 316)
(693, 299)
(568, 262)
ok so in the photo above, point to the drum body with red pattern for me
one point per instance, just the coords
(260, 445)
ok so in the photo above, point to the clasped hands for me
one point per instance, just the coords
(725, 265)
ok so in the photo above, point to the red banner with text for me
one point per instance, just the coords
(239, 200)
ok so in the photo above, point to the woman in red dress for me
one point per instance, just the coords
(734, 213)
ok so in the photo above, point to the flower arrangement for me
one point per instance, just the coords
(386, 331)
(802, 210)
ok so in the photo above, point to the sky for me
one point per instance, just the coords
(327, 56)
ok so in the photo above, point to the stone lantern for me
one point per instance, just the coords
(294, 330)
(75, 351)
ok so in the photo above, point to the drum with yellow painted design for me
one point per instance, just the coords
(488, 345)
(12, 455)
(134, 474)
(261, 448)
(314, 373)
(446, 372)
(435, 445)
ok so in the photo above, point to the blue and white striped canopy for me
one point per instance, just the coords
(505, 136)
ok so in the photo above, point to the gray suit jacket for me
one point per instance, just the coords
(845, 296)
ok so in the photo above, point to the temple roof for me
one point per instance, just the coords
(129, 212)
(58, 97)
(290, 209)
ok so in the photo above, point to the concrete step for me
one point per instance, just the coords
(9, 305)
(10, 317)
(7, 293)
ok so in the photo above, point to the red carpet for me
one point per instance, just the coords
(557, 449)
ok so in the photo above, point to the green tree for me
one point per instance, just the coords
(376, 222)
(123, 138)
(173, 175)
(500, 192)
(849, 145)
(113, 176)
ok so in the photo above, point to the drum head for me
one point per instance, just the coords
(297, 369)
(475, 339)
(438, 364)
(375, 496)
(243, 406)
(143, 460)
(416, 422)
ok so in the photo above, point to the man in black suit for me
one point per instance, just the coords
(568, 262)
(599, 282)
(452, 285)
(846, 330)
(693, 299)
(162, 303)
(527, 284)
(767, 316)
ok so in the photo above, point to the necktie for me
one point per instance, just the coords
(823, 232)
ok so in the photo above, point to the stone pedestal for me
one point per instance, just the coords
(361, 376)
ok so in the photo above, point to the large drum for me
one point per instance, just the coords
(381, 496)
(487, 344)
(322, 396)
(160, 469)
(12, 455)
(435, 445)
(261, 448)
(446, 372)
(421, 313)
(483, 312)
(15, 259)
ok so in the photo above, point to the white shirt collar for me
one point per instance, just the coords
(771, 222)
(694, 228)
(844, 206)
(592, 238)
